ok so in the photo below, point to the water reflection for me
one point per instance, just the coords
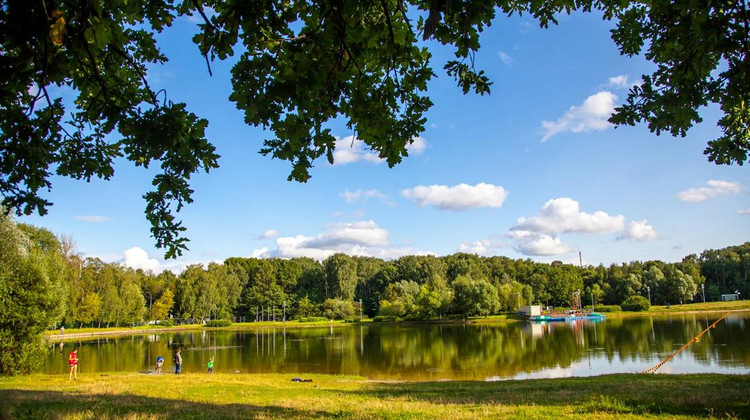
(434, 352)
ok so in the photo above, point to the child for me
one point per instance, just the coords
(159, 364)
(211, 365)
(177, 362)
(73, 363)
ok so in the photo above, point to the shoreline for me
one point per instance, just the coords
(293, 324)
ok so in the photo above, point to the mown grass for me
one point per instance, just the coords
(134, 396)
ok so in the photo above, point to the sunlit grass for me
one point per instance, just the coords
(136, 396)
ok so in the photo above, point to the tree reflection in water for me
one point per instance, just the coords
(434, 352)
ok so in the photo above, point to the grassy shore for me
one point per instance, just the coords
(672, 309)
(135, 396)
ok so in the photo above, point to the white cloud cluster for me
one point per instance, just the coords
(591, 115)
(539, 244)
(539, 235)
(640, 231)
(744, 211)
(350, 150)
(93, 219)
(364, 238)
(458, 197)
(485, 247)
(270, 233)
(136, 257)
(715, 188)
(355, 196)
(619, 81)
(562, 215)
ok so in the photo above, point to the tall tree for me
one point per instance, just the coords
(31, 297)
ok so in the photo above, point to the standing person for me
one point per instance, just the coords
(73, 363)
(211, 365)
(177, 362)
(159, 363)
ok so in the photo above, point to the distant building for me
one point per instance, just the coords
(730, 296)
(533, 310)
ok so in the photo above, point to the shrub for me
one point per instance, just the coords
(636, 304)
(338, 309)
(385, 318)
(355, 318)
(605, 308)
(214, 323)
(608, 308)
(166, 323)
(313, 319)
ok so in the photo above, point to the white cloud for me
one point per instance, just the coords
(259, 253)
(459, 197)
(363, 238)
(505, 58)
(538, 244)
(355, 196)
(591, 115)
(351, 150)
(137, 257)
(563, 215)
(485, 247)
(640, 231)
(94, 219)
(538, 235)
(620, 81)
(270, 233)
(715, 188)
(744, 211)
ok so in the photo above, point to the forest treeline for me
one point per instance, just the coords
(97, 293)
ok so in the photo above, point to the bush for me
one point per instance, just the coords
(338, 309)
(636, 304)
(606, 308)
(355, 318)
(166, 323)
(385, 318)
(313, 319)
(214, 323)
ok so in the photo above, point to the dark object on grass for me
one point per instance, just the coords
(301, 380)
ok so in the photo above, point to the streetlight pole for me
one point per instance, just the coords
(648, 289)
(703, 291)
(284, 311)
(360, 309)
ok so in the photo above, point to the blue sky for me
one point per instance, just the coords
(531, 171)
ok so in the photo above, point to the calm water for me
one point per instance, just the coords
(435, 352)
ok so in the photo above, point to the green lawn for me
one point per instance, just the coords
(203, 396)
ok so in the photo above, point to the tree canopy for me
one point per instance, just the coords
(302, 64)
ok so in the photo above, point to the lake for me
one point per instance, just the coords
(428, 352)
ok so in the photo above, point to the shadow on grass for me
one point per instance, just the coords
(24, 404)
(701, 395)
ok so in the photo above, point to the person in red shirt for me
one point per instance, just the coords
(73, 363)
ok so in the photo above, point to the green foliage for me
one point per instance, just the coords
(362, 63)
(475, 297)
(385, 318)
(636, 304)
(31, 297)
(313, 319)
(166, 323)
(337, 309)
(607, 308)
(218, 323)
